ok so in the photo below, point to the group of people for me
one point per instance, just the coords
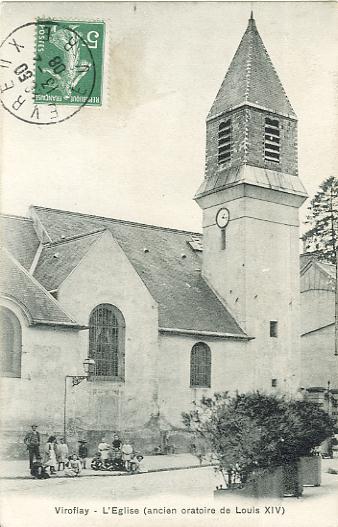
(56, 456)
(117, 456)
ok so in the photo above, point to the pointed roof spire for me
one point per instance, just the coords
(251, 79)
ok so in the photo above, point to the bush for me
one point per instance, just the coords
(248, 431)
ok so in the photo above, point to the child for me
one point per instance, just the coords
(104, 451)
(117, 443)
(135, 464)
(38, 470)
(96, 463)
(73, 467)
(83, 453)
(127, 451)
(51, 454)
(116, 461)
(61, 453)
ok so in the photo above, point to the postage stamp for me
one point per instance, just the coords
(69, 62)
(49, 80)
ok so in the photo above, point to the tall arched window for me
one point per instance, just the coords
(10, 343)
(106, 342)
(200, 366)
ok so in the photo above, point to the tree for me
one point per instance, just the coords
(322, 218)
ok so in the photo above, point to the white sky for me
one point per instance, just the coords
(141, 156)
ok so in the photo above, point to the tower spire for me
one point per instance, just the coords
(251, 79)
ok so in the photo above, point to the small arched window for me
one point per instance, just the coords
(224, 141)
(271, 140)
(10, 343)
(200, 366)
(106, 342)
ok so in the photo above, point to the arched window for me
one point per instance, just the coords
(106, 342)
(10, 343)
(224, 141)
(200, 365)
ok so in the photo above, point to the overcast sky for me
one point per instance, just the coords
(141, 155)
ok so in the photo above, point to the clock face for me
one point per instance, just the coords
(222, 218)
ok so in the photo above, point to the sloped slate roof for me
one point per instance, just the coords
(17, 284)
(164, 260)
(57, 260)
(251, 78)
(18, 235)
(256, 176)
(329, 269)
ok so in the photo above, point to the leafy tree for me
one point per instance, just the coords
(322, 218)
(253, 431)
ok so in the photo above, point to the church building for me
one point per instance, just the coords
(167, 315)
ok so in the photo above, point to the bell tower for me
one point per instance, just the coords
(250, 198)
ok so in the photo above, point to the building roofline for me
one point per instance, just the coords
(71, 322)
(15, 216)
(201, 333)
(317, 329)
(106, 218)
(249, 104)
(71, 239)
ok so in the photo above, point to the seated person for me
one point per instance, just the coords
(38, 470)
(117, 462)
(73, 467)
(136, 464)
(96, 463)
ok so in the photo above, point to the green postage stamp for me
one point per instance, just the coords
(69, 62)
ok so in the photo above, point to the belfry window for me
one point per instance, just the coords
(200, 366)
(224, 141)
(10, 344)
(271, 140)
(106, 342)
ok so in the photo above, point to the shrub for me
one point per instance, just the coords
(254, 430)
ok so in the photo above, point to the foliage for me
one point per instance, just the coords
(248, 431)
(322, 218)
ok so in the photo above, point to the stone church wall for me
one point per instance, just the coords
(105, 275)
(231, 369)
(319, 364)
(48, 354)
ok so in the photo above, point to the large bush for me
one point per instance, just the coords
(256, 430)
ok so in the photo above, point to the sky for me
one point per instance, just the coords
(140, 156)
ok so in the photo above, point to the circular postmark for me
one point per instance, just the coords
(47, 72)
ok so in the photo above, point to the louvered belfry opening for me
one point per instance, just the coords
(271, 140)
(200, 366)
(224, 141)
(106, 342)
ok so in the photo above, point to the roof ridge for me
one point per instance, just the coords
(273, 67)
(72, 238)
(326, 271)
(16, 216)
(250, 29)
(40, 286)
(129, 222)
(230, 68)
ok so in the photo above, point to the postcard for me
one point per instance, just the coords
(168, 285)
